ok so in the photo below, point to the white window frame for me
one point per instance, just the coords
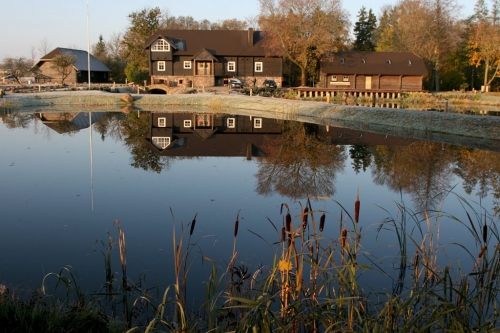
(257, 122)
(160, 45)
(187, 65)
(231, 66)
(161, 66)
(231, 122)
(161, 142)
(187, 123)
(259, 66)
(345, 78)
(162, 122)
(334, 78)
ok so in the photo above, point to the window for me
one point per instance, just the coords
(363, 61)
(160, 45)
(345, 78)
(257, 123)
(187, 123)
(342, 61)
(231, 66)
(408, 62)
(258, 66)
(187, 64)
(231, 122)
(161, 66)
(161, 142)
(334, 78)
(388, 62)
(162, 122)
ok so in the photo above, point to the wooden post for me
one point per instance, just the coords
(328, 98)
(138, 90)
(251, 92)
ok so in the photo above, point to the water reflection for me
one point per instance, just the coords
(295, 159)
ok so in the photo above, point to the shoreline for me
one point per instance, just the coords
(452, 128)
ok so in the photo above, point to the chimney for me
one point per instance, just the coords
(250, 36)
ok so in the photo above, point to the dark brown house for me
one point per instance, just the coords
(359, 70)
(99, 73)
(210, 58)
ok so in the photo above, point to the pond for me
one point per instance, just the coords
(66, 177)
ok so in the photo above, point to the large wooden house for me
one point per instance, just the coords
(210, 57)
(99, 72)
(361, 70)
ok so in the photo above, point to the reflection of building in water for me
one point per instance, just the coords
(208, 134)
(69, 122)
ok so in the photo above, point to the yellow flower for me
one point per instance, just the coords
(284, 265)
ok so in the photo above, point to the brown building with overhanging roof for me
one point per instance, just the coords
(359, 70)
(210, 57)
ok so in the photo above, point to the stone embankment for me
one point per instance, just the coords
(437, 126)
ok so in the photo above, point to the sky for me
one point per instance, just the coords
(63, 23)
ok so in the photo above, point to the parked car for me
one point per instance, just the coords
(235, 83)
(270, 84)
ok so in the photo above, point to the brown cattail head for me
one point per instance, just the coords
(288, 220)
(193, 222)
(343, 237)
(322, 222)
(304, 218)
(311, 250)
(236, 228)
(485, 233)
(356, 209)
(283, 232)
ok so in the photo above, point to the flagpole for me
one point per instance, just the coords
(88, 44)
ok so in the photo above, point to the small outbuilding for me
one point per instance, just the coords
(362, 70)
(99, 72)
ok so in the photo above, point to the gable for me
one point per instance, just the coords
(81, 63)
(205, 55)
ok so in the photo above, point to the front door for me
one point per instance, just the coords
(368, 82)
(203, 68)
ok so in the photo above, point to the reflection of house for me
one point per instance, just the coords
(210, 57)
(208, 134)
(394, 71)
(99, 73)
(69, 122)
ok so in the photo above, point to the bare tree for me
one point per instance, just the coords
(44, 47)
(63, 65)
(303, 30)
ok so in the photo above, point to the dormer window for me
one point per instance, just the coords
(160, 45)
(161, 142)
(342, 60)
(388, 62)
(408, 62)
(363, 61)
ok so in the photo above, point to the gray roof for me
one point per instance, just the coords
(81, 63)
(374, 63)
(217, 42)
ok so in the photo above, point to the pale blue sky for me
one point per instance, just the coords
(63, 23)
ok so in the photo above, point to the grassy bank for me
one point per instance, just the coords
(313, 284)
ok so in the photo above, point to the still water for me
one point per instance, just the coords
(67, 176)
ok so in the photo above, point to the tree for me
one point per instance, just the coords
(303, 30)
(63, 65)
(99, 50)
(364, 31)
(484, 41)
(44, 47)
(17, 67)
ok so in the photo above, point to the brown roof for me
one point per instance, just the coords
(373, 63)
(217, 42)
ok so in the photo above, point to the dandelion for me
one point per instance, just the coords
(285, 265)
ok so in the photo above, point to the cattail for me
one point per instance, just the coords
(193, 222)
(356, 209)
(283, 232)
(322, 222)
(311, 250)
(343, 237)
(482, 251)
(304, 218)
(288, 222)
(485, 233)
(236, 228)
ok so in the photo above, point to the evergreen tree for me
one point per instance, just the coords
(99, 50)
(364, 30)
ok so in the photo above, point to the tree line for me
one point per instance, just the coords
(460, 54)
